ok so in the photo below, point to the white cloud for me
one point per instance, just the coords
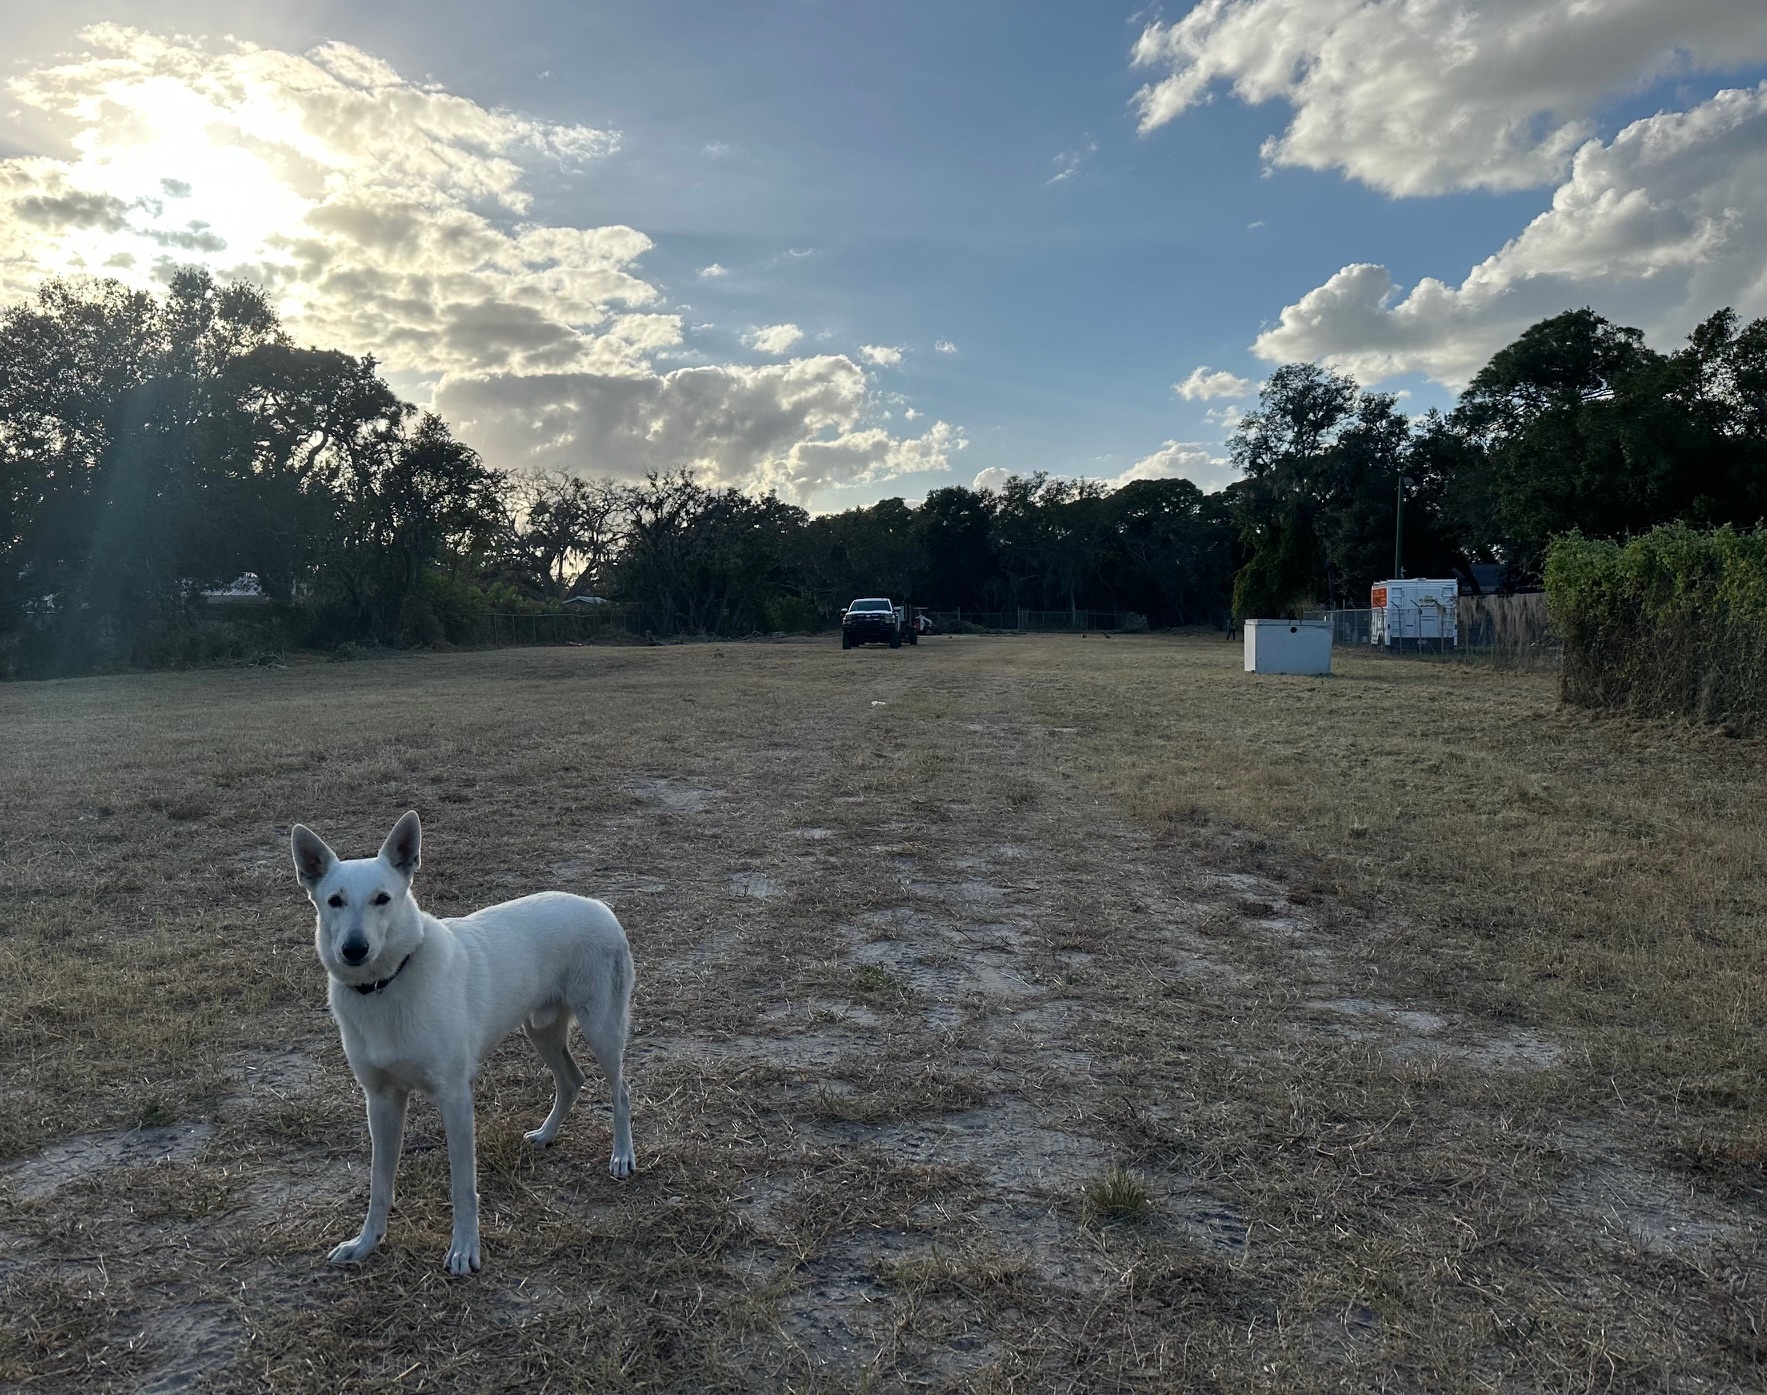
(391, 217)
(1180, 460)
(812, 468)
(1424, 96)
(773, 339)
(379, 213)
(1174, 460)
(880, 354)
(791, 426)
(1068, 163)
(714, 270)
(1657, 228)
(1205, 384)
(945, 346)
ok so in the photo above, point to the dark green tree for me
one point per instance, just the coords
(953, 529)
(1323, 463)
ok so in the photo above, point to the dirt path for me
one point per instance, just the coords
(947, 1075)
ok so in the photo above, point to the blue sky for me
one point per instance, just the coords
(981, 176)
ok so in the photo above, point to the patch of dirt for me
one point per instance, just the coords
(835, 1311)
(1638, 1207)
(189, 1346)
(755, 885)
(92, 1155)
(1646, 1209)
(675, 796)
(276, 1074)
(1007, 1142)
(1511, 1049)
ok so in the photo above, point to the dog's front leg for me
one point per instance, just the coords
(455, 1104)
(386, 1130)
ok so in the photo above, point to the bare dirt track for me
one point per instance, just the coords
(1013, 1014)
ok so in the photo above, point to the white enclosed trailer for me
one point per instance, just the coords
(1414, 610)
(1288, 646)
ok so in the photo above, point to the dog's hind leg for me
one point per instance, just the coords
(609, 1045)
(549, 1038)
(604, 1028)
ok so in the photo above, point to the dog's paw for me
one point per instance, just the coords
(357, 1250)
(541, 1137)
(622, 1164)
(463, 1255)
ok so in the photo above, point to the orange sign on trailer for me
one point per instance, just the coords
(1377, 597)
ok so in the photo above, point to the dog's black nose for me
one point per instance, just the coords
(354, 950)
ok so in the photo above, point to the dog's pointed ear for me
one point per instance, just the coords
(403, 845)
(312, 858)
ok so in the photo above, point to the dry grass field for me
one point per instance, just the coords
(1013, 1014)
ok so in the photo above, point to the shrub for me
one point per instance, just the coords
(194, 640)
(1670, 624)
(792, 613)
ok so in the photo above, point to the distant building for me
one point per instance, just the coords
(1480, 578)
(244, 589)
(588, 600)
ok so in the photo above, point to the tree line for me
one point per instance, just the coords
(1577, 426)
(155, 447)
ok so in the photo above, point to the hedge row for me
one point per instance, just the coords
(1671, 624)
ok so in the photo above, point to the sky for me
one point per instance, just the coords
(848, 251)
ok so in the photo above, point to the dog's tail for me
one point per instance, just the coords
(620, 982)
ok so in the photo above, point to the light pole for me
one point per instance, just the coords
(1399, 531)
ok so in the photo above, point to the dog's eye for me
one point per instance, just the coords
(334, 900)
(382, 899)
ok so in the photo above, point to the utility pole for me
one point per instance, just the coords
(1399, 532)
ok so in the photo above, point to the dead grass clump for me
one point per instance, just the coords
(975, 1274)
(1734, 1166)
(898, 1092)
(51, 1329)
(1188, 1284)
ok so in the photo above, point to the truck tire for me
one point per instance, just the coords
(896, 640)
(846, 640)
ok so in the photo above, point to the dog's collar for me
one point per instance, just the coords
(366, 988)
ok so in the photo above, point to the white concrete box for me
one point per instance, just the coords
(1288, 646)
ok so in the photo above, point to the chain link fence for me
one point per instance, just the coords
(1505, 631)
(1035, 621)
(599, 624)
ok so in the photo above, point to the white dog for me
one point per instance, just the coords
(420, 1002)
